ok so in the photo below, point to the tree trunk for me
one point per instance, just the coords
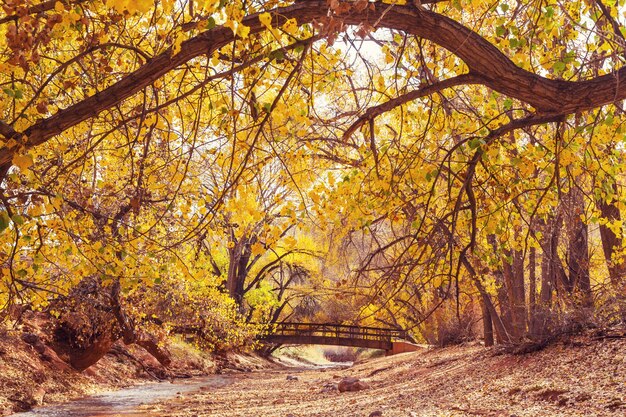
(578, 249)
(513, 272)
(238, 268)
(504, 293)
(612, 247)
(532, 290)
(91, 320)
(487, 323)
(549, 259)
(500, 330)
(612, 243)
(151, 345)
(234, 254)
(549, 266)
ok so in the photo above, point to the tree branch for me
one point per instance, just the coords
(427, 90)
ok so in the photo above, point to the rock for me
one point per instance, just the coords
(615, 403)
(31, 338)
(329, 387)
(38, 395)
(292, 378)
(35, 341)
(376, 413)
(351, 384)
(582, 397)
(278, 401)
(39, 376)
(22, 401)
(39, 348)
(54, 361)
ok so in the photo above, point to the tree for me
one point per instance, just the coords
(459, 136)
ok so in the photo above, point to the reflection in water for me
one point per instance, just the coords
(126, 402)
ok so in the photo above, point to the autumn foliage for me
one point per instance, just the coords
(209, 164)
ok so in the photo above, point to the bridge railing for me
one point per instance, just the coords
(337, 331)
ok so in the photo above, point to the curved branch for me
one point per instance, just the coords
(63, 66)
(38, 8)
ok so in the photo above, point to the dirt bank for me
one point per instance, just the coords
(32, 375)
(581, 377)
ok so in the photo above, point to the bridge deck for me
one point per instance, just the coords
(335, 334)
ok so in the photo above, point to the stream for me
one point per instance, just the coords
(126, 401)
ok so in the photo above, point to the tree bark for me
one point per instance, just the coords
(487, 323)
(238, 269)
(532, 289)
(500, 330)
(505, 293)
(519, 292)
(549, 244)
(578, 247)
(612, 244)
(513, 273)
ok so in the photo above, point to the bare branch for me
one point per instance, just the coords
(427, 90)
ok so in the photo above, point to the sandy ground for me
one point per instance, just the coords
(582, 377)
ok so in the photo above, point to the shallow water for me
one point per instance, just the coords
(126, 401)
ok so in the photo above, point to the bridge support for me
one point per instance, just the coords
(402, 347)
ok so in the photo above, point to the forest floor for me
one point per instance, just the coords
(583, 376)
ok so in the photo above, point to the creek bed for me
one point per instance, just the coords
(126, 401)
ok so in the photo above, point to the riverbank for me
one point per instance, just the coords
(32, 375)
(583, 376)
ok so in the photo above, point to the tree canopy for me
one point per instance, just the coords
(409, 163)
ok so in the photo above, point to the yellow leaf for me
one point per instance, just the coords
(23, 162)
(380, 82)
(178, 42)
(58, 7)
(291, 26)
(11, 143)
(266, 20)
(257, 249)
(243, 31)
(290, 242)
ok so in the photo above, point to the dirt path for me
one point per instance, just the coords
(580, 379)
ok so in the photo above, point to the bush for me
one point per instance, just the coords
(456, 331)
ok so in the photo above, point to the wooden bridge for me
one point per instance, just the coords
(338, 335)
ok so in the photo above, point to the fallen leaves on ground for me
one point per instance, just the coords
(580, 377)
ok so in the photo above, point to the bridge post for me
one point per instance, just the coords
(402, 347)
